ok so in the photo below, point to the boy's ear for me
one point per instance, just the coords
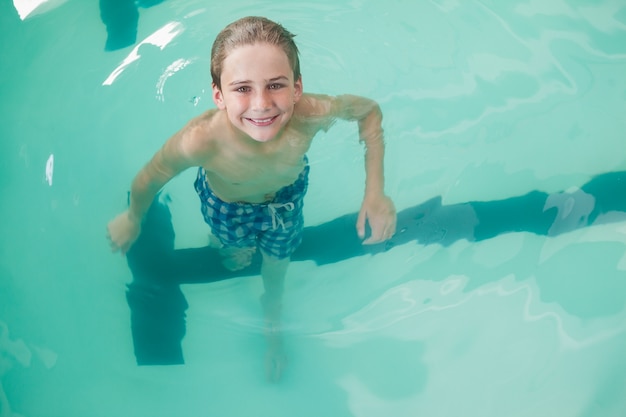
(297, 89)
(218, 97)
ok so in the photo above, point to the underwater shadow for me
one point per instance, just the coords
(158, 305)
(121, 18)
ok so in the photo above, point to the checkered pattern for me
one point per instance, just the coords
(275, 226)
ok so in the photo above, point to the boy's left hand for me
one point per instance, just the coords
(380, 213)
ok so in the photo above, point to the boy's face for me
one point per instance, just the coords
(258, 90)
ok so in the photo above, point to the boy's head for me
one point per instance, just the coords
(248, 31)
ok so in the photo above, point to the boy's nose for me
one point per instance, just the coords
(262, 101)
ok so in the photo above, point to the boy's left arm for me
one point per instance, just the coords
(377, 209)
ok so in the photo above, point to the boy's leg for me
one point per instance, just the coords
(273, 271)
(235, 258)
(230, 225)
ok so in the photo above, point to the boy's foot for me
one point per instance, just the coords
(235, 259)
(275, 362)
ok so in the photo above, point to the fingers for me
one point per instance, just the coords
(381, 215)
(360, 224)
(115, 247)
(379, 238)
(381, 232)
(112, 245)
(122, 234)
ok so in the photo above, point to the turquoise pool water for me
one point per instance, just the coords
(504, 296)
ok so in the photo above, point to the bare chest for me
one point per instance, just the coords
(253, 178)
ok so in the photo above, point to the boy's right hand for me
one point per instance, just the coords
(122, 232)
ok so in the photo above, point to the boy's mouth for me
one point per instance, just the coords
(262, 122)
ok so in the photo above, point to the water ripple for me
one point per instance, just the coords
(395, 311)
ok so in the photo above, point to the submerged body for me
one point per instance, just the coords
(250, 149)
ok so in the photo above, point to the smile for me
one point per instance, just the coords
(262, 122)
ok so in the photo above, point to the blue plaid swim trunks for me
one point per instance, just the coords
(275, 227)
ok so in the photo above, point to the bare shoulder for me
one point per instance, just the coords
(198, 137)
(315, 111)
(325, 107)
(314, 105)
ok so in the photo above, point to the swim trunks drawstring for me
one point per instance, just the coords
(276, 219)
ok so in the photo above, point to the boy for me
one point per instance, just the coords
(251, 153)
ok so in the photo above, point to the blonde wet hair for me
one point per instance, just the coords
(248, 31)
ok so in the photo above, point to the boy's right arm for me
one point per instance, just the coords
(179, 153)
(124, 229)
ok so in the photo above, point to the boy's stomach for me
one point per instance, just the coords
(251, 190)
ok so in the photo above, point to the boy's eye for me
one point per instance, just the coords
(275, 86)
(243, 89)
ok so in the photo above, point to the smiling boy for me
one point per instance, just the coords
(251, 154)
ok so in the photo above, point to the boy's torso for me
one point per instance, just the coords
(246, 171)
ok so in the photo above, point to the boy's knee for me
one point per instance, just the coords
(272, 259)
